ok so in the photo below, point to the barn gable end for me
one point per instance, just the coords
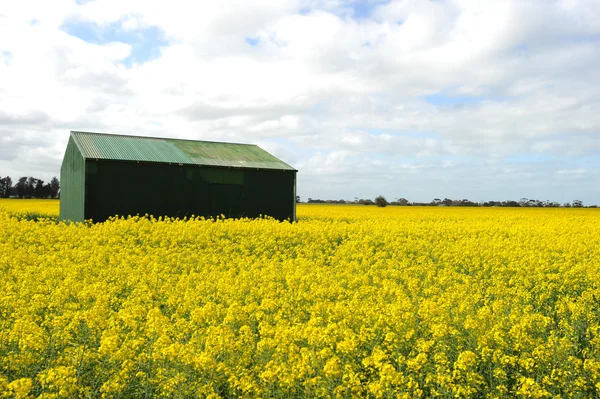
(72, 182)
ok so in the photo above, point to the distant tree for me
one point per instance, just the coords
(52, 189)
(30, 187)
(55, 188)
(21, 187)
(524, 201)
(466, 202)
(5, 186)
(38, 190)
(47, 191)
(380, 201)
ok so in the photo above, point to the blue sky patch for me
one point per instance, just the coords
(253, 41)
(522, 48)
(590, 161)
(357, 9)
(145, 43)
(5, 56)
(445, 99)
(364, 9)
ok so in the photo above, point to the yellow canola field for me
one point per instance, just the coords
(38, 207)
(351, 301)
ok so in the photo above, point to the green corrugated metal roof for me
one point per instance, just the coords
(166, 150)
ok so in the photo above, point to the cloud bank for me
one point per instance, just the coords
(485, 100)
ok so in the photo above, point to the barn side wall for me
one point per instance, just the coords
(72, 184)
(129, 188)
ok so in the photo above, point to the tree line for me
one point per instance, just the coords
(29, 187)
(523, 202)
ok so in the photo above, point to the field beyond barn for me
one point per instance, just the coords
(351, 301)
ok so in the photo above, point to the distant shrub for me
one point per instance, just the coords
(380, 201)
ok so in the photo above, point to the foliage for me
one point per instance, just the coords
(351, 301)
(380, 201)
(29, 187)
(5, 187)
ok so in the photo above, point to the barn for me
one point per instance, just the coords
(103, 175)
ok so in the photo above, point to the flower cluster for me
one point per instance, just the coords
(350, 301)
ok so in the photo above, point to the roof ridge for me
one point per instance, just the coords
(160, 138)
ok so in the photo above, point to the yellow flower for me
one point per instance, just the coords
(20, 388)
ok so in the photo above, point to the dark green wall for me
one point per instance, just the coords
(72, 184)
(127, 188)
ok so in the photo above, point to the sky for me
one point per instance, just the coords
(420, 99)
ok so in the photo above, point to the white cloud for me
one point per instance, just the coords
(341, 98)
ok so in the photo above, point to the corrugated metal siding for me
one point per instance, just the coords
(148, 149)
(72, 183)
(126, 188)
